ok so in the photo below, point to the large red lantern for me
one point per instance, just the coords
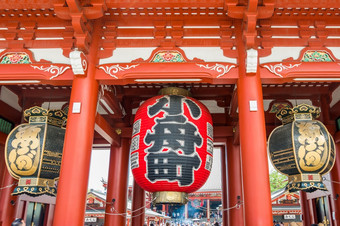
(171, 147)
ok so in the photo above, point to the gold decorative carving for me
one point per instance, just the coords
(313, 147)
(25, 155)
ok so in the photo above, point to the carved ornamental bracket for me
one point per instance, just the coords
(29, 70)
(80, 14)
(312, 65)
(167, 65)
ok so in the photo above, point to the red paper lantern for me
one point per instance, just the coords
(172, 145)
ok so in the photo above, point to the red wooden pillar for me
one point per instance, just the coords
(257, 197)
(164, 209)
(117, 185)
(50, 214)
(312, 209)
(224, 186)
(208, 210)
(3, 167)
(7, 203)
(75, 166)
(138, 205)
(234, 183)
(306, 216)
(335, 176)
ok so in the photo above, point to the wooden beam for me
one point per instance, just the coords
(236, 138)
(9, 112)
(335, 111)
(106, 131)
(233, 104)
(223, 131)
(293, 92)
(200, 93)
(110, 103)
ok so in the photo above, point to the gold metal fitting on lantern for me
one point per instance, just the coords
(174, 91)
(170, 197)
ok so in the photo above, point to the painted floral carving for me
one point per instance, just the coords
(220, 68)
(316, 56)
(114, 69)
(15, 58)
(52, 69)
(277, 68)
(168, 57)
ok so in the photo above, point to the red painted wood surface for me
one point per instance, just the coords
(235, 215)
(138, 205)
(335, 176)
(224, 185)
(74, 173)
(116, 199)
(257, 201)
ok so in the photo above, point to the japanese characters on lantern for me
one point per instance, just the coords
(33, 151)
(302, 148)
(172, 144)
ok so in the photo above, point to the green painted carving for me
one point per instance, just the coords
(168, 57)
(316, 56)
(15, 58)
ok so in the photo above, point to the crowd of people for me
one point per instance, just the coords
(188, 224)
(277, 223)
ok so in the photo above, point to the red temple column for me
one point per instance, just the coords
(306, 216)
(224, 186)
(335, 177)
(138, 205)
(164, 209)
(257, 196)
(117, 185)
(234, 183)
(75, 166)
(3, 167)
(208, 210)
(8, 202)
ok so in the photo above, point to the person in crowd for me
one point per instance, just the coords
(18, 222)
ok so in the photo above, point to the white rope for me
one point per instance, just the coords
(132, 211)
(8, 186)
(237, 206)
(337, 182)
(124, 214)
(117, 214)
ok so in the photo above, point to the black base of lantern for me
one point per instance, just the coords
(306, 186)
(35, 190)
